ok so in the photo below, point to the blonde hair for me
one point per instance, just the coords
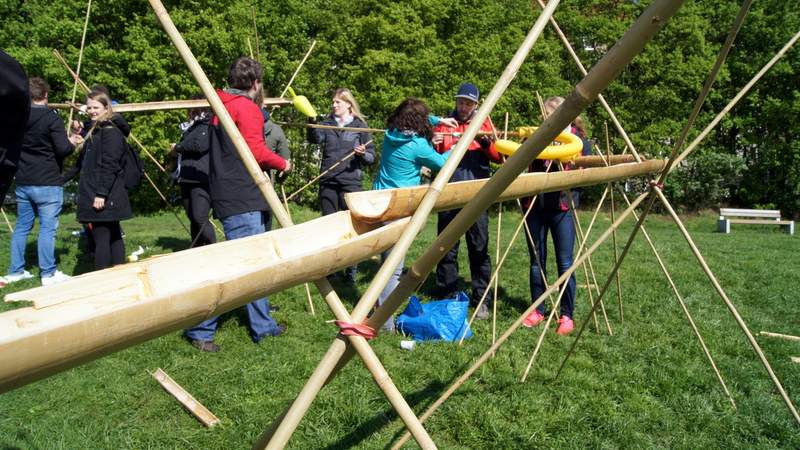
(104, 100)
(346, 95)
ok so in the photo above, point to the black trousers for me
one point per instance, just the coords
(109, 247)
(197, 204)
(331, 200)
(480, 264)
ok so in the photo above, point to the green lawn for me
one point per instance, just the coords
(647, 386)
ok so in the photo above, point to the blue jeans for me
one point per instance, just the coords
(45, 203)
(562, 228)
(261, 323)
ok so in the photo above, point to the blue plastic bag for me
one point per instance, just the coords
(443, 320)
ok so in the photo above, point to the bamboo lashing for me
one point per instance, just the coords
(278, 435)
(370, 359)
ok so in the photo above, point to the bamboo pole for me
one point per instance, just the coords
(614, 236)
(299, 66)
(787, 337)
(149, 155)
(497, 278)
(685, 309)
(514, 326)
(371, 360)
(186, 399)
(729, 304)
(250, 48)
(255, 32)
(333, 166)
(5, 217)
(80, 60)
(278, 435)
(678, 144)
(651, 21)
(166, 202)
(376, 130)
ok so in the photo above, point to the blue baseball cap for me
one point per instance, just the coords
(468, 91)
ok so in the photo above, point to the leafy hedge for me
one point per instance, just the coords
(386, 50)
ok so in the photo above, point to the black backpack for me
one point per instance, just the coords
(132, 168)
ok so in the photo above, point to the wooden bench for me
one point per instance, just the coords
(727, 216)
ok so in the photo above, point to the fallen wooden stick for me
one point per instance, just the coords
(196, 408)
(788, 337)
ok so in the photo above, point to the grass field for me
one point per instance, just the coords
(647, 386)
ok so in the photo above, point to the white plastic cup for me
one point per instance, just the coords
(408, 345)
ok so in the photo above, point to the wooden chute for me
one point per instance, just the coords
(97, 313)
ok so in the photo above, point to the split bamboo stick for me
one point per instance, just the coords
(371, 360)
(514, 326)
(185, 398)
(614, 236)
(788, 337)
(255, 33)
(375, 130)
(167, 105)
(730, 305)
(278, 435)
(299, 66)
(333, 166)
(5, 217)
(80, 60)
(651, 21)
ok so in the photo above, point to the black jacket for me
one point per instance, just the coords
(44, 148)
(336, 145)
(232, 189)
(15, 105)
(101, 173)
(193, 149)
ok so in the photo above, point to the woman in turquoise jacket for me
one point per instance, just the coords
(406, 149)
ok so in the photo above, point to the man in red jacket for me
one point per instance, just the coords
(474, 165)
(235, 198)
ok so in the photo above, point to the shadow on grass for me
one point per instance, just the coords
(173, 244)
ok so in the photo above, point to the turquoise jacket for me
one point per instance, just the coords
(403, 155)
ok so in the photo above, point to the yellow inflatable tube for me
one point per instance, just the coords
(570, 145)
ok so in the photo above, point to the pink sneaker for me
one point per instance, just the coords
(565, 326)
(533, 319)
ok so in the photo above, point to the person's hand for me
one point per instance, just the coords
(425, 171)
(360, 150)
(172, 149)
(437, 138)
(485, 141)
(288, 168)
(99, 203)
(75, 139)
(76, 127)
(449, 122)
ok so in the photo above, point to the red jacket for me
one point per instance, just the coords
(452, 135)
(250, 122)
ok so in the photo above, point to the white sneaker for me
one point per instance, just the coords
(14, 277)
(57, 277)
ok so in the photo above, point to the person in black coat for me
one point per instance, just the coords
(15, 105)
(102, 197)
(336, 145)
(191, 175)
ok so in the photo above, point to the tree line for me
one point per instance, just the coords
(387, 50)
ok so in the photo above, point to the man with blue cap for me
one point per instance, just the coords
(473, 166)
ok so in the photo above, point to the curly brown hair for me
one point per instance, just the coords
(411, 115)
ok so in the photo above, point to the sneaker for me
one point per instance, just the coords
(565, 326)
(483, 312)
(533, 319)
(14, 277)
(57, 277)
(205, 346)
